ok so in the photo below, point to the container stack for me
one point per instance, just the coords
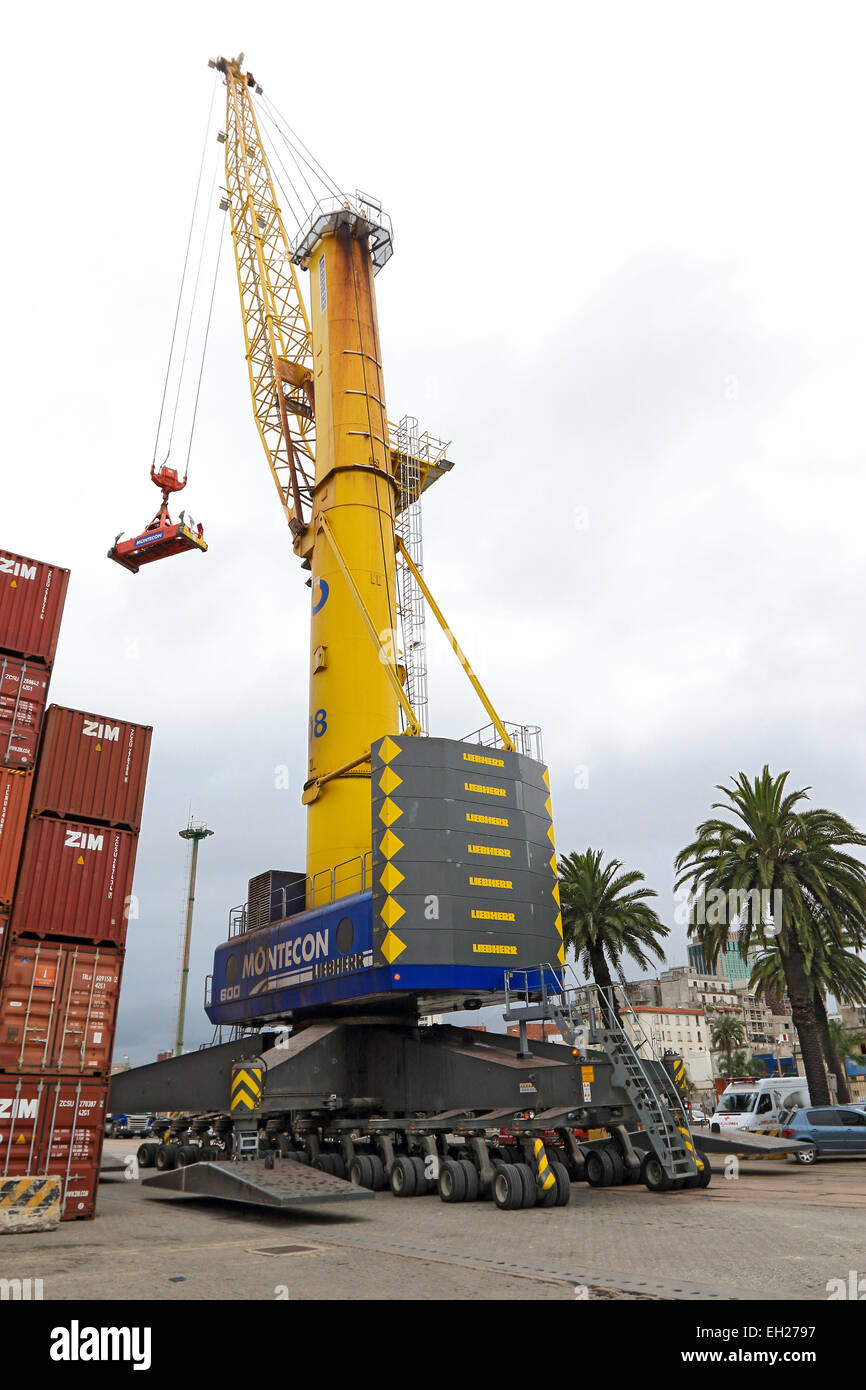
(68, 836)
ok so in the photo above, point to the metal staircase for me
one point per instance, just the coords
(587, 1017)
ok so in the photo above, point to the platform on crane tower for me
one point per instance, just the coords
(360, 215)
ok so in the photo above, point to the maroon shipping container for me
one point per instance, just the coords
(15, 789)
(58, 1005)
(32, 595)
(74, 881)
(91, 768)
(23, 691)
(54, 1127)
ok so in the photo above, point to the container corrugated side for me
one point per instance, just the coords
(15, 789)
(23, 692)
(74, 881)
(91, 767)
(54, 1127)
(32, 596)
(58, 1006)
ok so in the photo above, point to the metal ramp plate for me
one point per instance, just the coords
(287, 1184)
(732, 1143)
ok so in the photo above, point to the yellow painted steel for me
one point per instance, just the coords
(352, 700)
(458, 650)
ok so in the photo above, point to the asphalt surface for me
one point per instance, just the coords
(775, 1231)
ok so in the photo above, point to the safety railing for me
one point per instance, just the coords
(525, 737)
(319, 890)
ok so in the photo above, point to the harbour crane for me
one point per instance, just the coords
(430, 881)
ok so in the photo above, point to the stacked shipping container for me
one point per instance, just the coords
(71, 794)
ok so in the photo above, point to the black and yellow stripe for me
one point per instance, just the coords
(246, 1088)
(545, 1176)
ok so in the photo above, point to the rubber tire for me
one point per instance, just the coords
(618, 1179)
(380, 1182)
(187, 1154)
(655, 1179)
(508, 1187)
(403, 1177)
(563, 1184)
(146, 1154)
(599, 1168)
(473, 1182)
(360, 1172)
(165, 1158)
(423, 1184)
(706, 1173)
(530, 1190)
(338, 1166)
(452, 1181)
(807, 1157)
(547, 1196)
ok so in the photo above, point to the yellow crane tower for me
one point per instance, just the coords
(318, 396)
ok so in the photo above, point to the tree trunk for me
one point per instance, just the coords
(601, 975)
(831, 1056)
(802, 997)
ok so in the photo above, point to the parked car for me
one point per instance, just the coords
(119, 1126)
(837, 1130)
(698, 1115)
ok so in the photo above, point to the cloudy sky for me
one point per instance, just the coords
(627, 285)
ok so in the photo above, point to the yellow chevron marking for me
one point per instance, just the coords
(392, 912)
(252, 1079)
(389, 780)
(242, 1099)
(547, 808)
(555, 891)
(550, 835)
(545, 777)
(389, 751)
(553, 863)
(560, 955)
(392, 947)
(388, 812)
(390, 844)
(558, 923)
(391, 877)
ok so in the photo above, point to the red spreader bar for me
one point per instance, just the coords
(173, 538)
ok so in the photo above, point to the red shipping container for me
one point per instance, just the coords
(58, 1006)
(54, 1128)
(91, 768)
(15, 789)
(32, 595)
(23, 691)
(75, 880)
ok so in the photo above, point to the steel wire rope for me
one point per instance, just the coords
(276, 155)
(204, 345)
(323, 174)
(201, 256)
(183, 272)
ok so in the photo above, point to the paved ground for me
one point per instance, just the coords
(776, 1231)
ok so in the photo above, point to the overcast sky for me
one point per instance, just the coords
(627, 284)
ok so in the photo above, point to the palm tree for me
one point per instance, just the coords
(737, 1065)
(844, 1042)
(726, 1033)
(605, 917)
(835, 970)
(775, 851)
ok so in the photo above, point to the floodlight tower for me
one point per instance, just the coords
(195, 833)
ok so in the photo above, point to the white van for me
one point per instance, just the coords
(755, 1103)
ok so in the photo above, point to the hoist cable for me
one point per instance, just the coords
(222, 238)
(323, 174)
(201, 255)
(183, 273)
